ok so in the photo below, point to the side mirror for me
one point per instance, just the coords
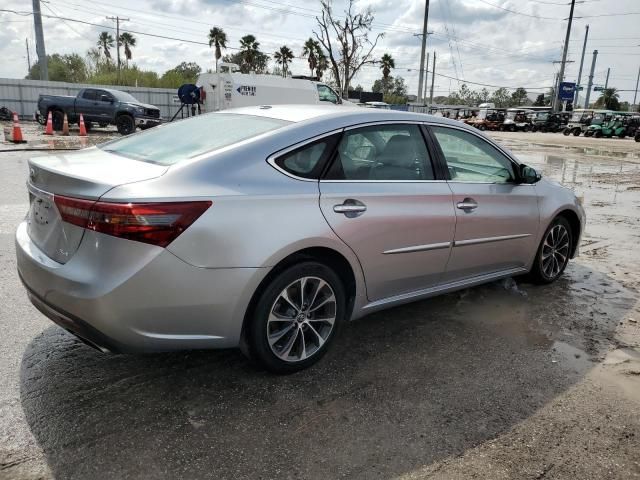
(528, 174)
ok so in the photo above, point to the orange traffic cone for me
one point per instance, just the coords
(49, 129)
(65, 126)
(83, 129)
(16, 137)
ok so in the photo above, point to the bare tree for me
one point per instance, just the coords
(346, 41)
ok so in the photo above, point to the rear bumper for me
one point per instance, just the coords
(125, 296)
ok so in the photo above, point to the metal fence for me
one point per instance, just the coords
(22, 95)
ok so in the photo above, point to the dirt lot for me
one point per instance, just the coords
(504, 381)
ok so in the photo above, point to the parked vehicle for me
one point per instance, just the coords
(637, 136)
(516, 119)
(103, 106)
(382, 105)
(488, 119)
(6, 114)
(275, 231)
(595, 125)
(231, 89)
(614, 127)
(632, 123)
(581, 119)
(546, 122)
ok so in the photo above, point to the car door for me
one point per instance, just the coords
(86, 104)
(497, 218)
(381, 197)
(104, 106)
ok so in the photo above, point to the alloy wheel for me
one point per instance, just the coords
(555, 251)
(301, 319)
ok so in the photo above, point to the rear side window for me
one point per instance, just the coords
(308, 161)
(173, 142)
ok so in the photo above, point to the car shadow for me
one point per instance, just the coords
(399, 390)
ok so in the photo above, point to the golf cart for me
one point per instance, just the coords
(582, 119)
(600, 119)
(637, 137)
(547, 122)
(516, 119)
(488, 119)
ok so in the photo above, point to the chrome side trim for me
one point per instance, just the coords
(478, 241)
(445, 287)
(418, 248)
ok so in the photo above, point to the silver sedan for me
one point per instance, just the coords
(269, 227)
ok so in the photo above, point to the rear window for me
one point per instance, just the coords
(173, 142)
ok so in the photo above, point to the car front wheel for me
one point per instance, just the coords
(553, 253)
(296, 318)
(125, 124)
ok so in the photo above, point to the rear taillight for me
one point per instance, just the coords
(154, 223)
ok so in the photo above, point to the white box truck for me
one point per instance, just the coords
(231, 89)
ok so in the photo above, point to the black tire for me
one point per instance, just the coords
(622, 135)
(540, 272)
(588, 133)
(512, 128)
(566, 132)
(125, 124)
(527, 128)
(534, 128)
(482, 127)
(257, 323)
(57, 117)
(597, 134)
(577, 132)
(637, 137)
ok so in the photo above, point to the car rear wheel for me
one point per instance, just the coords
(296, 318)
(553, 253)
(57, 117)
(576, 132)
(527, 128)
(125, 124)
(482, 127)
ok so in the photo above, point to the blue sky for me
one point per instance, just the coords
(498, 42)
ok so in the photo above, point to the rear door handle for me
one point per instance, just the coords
(350, 208)
(467, 204)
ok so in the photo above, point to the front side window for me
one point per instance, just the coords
(472, 159)
(307, 161)
(382, 152)
(103, 96)
(325, 94)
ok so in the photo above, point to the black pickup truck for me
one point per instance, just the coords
(100, 106)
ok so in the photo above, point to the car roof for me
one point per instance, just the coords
(340, 114)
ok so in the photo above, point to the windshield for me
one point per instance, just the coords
(579, 116)
(173, 142)
(124, 96)
(511, 115)
(542, 116)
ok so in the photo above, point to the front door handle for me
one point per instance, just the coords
(468, 204)
(350, 208)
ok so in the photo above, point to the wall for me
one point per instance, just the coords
(21, 96)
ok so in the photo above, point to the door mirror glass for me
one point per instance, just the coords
(529, 174)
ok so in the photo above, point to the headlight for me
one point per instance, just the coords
(140, 109)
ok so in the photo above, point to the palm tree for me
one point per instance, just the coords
(310, 50)
(283, 57)
(610, 98)
(128, 41)
(386, 64)
(248, 51)
(323, 64)
(105, 42)
(217, 39)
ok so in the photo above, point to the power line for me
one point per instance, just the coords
(517, 12)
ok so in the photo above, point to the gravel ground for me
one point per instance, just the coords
(507, 380)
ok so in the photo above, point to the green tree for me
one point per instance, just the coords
(128, 41)
(323, 63)
(539, 101)
(249, 49)
(260, 62)
(501, 98)
(387, 63)
(484, 96)
(518, 97)
(217, 39)
(310, 50)
(63, 68)
(610, 99)
(283, 57)
(105, 43)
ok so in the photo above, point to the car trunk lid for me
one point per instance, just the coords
(88, 175)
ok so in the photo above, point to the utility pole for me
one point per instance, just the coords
(584, 48)
(40, 50)
(118, 20)
(590, 86)
(423, 94)
(26, 42)
(424, 47)
(635, 95)
(433, 76)
(606, 82)
(564, 52)
(556, 86)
